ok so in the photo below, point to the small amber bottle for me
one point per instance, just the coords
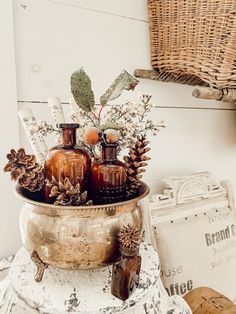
(67, 160)
(108, 179)
(125, 271)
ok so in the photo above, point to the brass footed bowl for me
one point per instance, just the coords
(77, 237)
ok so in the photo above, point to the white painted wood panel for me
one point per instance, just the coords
(194, 141)
(134, 9)
(9, 209)
(54, 38)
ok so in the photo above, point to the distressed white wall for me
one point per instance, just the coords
(55, 37)
(9, 208)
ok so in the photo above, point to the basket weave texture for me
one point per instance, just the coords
(194, 41)
(208, 301)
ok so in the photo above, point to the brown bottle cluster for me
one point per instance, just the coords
(105, 181)
(67, 160)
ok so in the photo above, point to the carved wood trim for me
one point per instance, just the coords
(182, 190)
(185, 196)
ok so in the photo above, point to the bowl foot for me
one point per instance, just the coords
(41, 266)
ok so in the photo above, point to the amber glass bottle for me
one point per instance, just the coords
(67, 160)
(125, 273)
(108, 177)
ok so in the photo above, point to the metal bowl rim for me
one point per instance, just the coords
(105, 206)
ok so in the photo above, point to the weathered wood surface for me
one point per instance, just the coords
(64, 291)
(157, 75)
(227, 95)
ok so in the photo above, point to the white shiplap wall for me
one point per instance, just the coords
(9, 208)
(55, 37)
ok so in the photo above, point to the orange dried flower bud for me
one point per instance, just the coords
(91, 136)
(112, 136)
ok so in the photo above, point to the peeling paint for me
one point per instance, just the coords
(73, 302)
(80, 291)
(24, 6)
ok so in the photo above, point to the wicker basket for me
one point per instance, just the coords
(194, 41)
(208, 301)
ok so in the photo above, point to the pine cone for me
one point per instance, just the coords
(135, 162)
(66, 194)
(129, 238)
(25, 170)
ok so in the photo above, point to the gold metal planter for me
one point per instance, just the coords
(73, 237)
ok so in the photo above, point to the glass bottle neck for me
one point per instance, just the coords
(109, 152)
(129, 253)
(68, 137)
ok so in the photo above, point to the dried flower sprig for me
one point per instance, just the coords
(44, 128)
(133, 119)
(25, 170)
(130, 119)
(84, 97)
(66, 194)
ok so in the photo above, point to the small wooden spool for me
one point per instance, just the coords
(208, 301)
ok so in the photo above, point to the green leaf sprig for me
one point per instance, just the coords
(82, 91)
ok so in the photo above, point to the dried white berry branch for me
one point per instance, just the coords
(132, 119)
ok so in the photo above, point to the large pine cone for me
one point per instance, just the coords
(25, 170)
(135, 162)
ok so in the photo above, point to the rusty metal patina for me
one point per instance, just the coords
(77, 237)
